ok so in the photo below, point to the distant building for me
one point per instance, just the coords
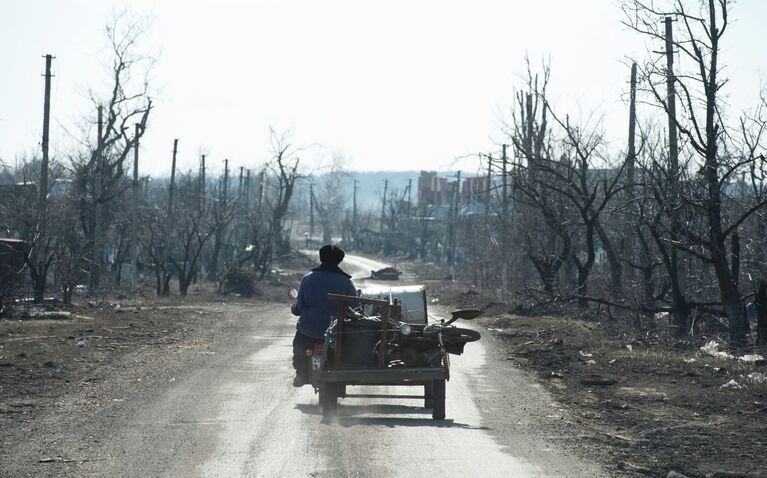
(436, 191)
(432, 189)
(474, 188)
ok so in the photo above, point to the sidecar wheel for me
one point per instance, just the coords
(438, 412)
(428, 394)
(329, 399)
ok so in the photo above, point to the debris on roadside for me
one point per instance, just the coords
(752, 358)
(732, 385)
(657, 378)
(712, 348)
(598, 381)
(55, 459)
(674, 474)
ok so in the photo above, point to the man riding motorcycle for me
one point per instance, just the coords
(313, 307)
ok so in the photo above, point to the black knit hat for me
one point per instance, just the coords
(331, 254)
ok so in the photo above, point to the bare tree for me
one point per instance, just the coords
(701, 124)
(282, 173)
(329, 198)
(542, 218)
(223, 213)
(191, 232)
(100, 169)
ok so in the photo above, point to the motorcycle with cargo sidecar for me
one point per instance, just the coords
(374, 347)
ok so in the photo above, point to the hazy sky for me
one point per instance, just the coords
(391, 84)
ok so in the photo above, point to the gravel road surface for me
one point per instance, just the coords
(227, 408)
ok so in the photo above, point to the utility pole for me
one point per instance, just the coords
(409, 226)
(311, 211)
(221, 233)
(453, 217)
(239, 186)
(354, 212)
(39, 250)
(261, 187)
(505, 191)
(489, 181)
(679, 316)
(98, 251)
(169, 221)
(134, 212)
(172, 186)
(631, 157)
(202, 178)
(630, 161)
(505, 220)
(225, 190)
(171, 194)
(673, 145)
(247, 188)
(409, 195)
(46, 128)
(383, 205)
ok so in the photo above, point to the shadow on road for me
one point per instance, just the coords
(349, 415)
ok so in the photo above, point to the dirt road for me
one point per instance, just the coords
(226, 407)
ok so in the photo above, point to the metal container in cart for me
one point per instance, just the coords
(381, 350)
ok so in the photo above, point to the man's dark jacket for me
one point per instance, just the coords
(312, 304)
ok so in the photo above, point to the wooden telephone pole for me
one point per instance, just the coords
(505, 221)
(40, 268)
(489, 181)
(171, 197)
(202, 179)
(383, 205)
(680, 317)
(172, 186)
(673, 144)
(247, 188)
(98, 247)
(311, 211)
(630, 161)
(221, 213)
(453, 218)
(354, 207)
(134, 212)
(631, 156)
(46, 128)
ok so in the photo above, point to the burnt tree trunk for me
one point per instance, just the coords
(38, 273)
(761, 318)
(613, 261)
(584, 268)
